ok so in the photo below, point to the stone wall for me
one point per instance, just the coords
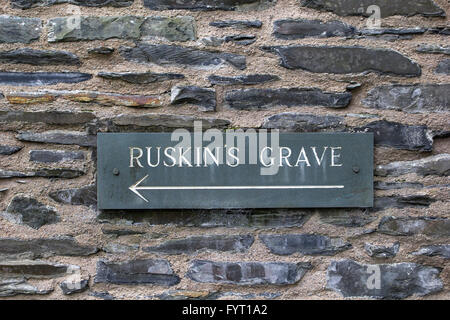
(72, 68)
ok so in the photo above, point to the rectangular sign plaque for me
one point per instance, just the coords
(213, 169)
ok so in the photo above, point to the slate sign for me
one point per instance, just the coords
(207, 171)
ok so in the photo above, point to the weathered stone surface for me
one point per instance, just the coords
(443, 67)
(301, 122)
(280, 218)
(440, 250)
(399, 136)
(241, 39)
(48, 117)
(117, 248)
(150, 271)
(121, 231)
(302, 28)
(382, 252)
(69, 287)
(86, 196)
(19, 30)
(307, 244)
(140, 77)
(416, 98)
(434, 49)
(408, 226)
(395, 281)
(387, 8)
(204, 98)
(41, 78)
(435, 165)
(244, 99)
(189, 245)
(61, 173)
(102, 98)
(390, 34)
(243, 79)
(345, 60)
(39, 57)
(94, 28)
(101, 50)
(206, 5)
(9, 150)
(59, 137)
(44, 247)
(237, 24)
(381, 185)
(400, 202)
(212, 41)
(5, 174)
(180, 28)
(440, 30)
(51, 156)
(247, 273)
(34, 269)
(27, 4)
(28, 211)
(163, 122)
(350, 218)
(17, 286)
(163, 54)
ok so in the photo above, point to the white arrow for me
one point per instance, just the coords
(135, 187)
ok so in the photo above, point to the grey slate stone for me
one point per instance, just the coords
(397, 281)
(61, 173)
(244, 99)
(400, 202)
(416, 98)
(19, 30)
(253, 218)
(433, 49)
(163, 54)
(41, 78)
(52, 156)
(180, 28)
(101, 50)
(59, 137)
(94, 28)
(189, 245)
(140, 77)
(408, 226)
(44, 247)
(243, 79)
(381, 185)
(207, 5)
(6, 174)
(443, 67)
(307, 244)
(86, 196)
(435, 165)
(301, 122)
(48, 117)
(399, 136)
(345, 60)
(241, 39)
(212, 41)
(119, 248)
(439, 250)
(247, 273)
(301, 28)
(18, 286)
(204, 98)
(382, 252)
(150, 122)
(39, 57)
(70, 287)
(34, 269)
(28, 211)
(427, 8)
(136, 272)
(27, 4)
(237, 24)
(6, 150)
(350, 218)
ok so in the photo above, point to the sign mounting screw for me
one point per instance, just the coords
(355, 169)
(116, 172)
